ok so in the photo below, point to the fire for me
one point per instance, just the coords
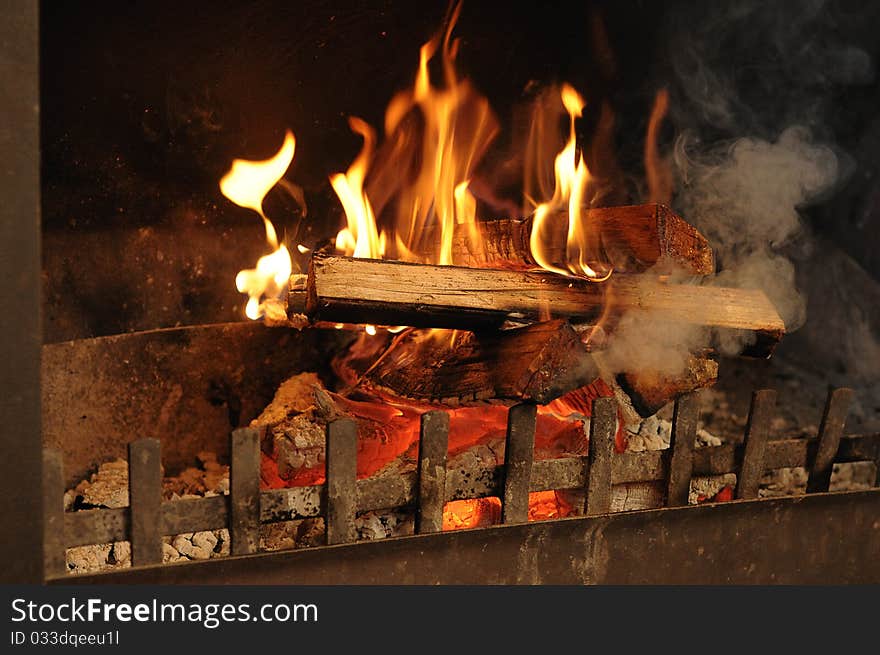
(246, 184)
(572, 182)
(657, 171)
(435, 137)
(361, 237)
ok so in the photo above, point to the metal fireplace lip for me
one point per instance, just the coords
(786, 540)
(818, 537)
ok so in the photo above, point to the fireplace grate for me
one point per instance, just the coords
(147, 517)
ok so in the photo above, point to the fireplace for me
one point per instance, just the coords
(501, 328)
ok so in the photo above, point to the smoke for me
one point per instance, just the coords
(751, 85)
(745, 197)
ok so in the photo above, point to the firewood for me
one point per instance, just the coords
(651, 390)
(348, 290)
(540, 362)
(634, 238)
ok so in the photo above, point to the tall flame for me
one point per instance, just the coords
(572, 181)
(361, 237)
(246, 184)
(435, 136)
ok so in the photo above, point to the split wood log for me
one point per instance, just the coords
(348, 290)
(634, 238)
(651, 390)
(540, 362)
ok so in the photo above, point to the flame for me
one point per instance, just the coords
(246, 184)
(361, 237)
(572, 181)
(431, 195)
(657, 169)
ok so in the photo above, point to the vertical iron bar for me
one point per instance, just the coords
(433, 447)
(54, 545)
(757, 430)
(830, 431)
(341, 463)
(519, 451)
(684, 432)
(145, 501)
(603, 426)
(244, 491)
(21, 332)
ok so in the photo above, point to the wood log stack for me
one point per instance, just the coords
(512, 329)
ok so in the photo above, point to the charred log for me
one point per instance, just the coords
(540, 362)
(634, 238)
(651, 390)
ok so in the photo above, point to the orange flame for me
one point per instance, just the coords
(246, 184)
(361, 237)
(455, 129)
(657, 169)
(572, 180)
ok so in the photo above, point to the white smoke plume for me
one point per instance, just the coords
(750, 86)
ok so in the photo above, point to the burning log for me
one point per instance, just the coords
(635, 238)
(540, 362)
(649, 390)
(348, 290)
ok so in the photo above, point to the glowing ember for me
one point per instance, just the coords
(246, 184)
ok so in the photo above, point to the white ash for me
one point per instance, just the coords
(654, 433)
(108, 488)
(285, 535)
(200, 545)
(380, 524)
(295, 424)
(783, 482)
(855, 476)
(705, 487)
(848, 476)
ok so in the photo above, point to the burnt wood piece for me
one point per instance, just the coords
(540, 362)
(634, 238)
(603, 426)
(341, 462)
(684, 432)
(830, 431)
(145, 501)
(54, 539)
(650, 390)
(244, 491)
(433, 447)
(757, 431)
(349, 290)
(519, 452)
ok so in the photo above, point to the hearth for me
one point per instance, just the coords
(518, 328)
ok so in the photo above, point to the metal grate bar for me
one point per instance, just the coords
(830, 431)
(244, 491)
(341, 462)
(684, 432)
(145, 501)
(519, 451)
(433, 447)
(603, 427)
(755, 445)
